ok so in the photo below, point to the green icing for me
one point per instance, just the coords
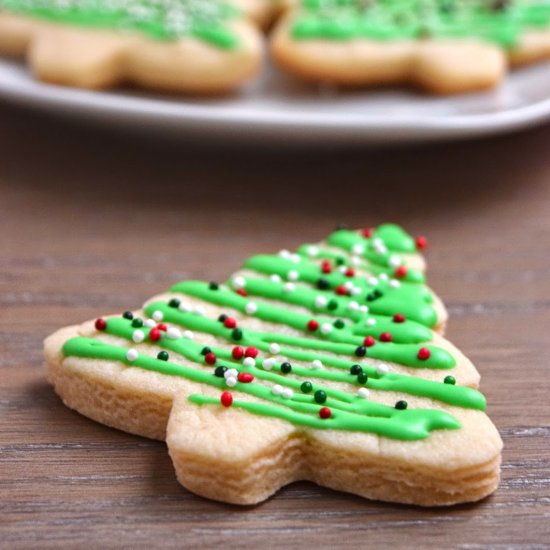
(499, 21)
(158, 19)
(349, 412)
(395, 238)
(409, 425)
(414, 301)
(339, 341)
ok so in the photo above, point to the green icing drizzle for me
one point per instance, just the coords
(341, 341)
(499, 21)
(414, 301)
(349, 412)
(158, 19)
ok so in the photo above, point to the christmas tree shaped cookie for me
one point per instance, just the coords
(176, 45)
(325, 364)
(443, 46)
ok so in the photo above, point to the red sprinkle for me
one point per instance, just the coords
(251, 352)
(210, 358)
(367, 232)
(369, 341)
(386, 337)
(242, 292)
(341, 290)
(350, 272)
(226, 399)
(421, 242)
(245, 377)
(325, 412)
(400, 271)
(230, 322)
(424, 353)
(237, 352)
(398, 318)
(100, 324)
(154, 334)
(312, 325)
(326, 266)
(162, 326)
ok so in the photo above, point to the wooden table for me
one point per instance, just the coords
(95, 223)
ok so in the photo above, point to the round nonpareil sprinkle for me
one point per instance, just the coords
(274, 348)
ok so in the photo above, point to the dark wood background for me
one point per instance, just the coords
(94, 222)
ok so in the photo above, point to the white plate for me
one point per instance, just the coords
(276, 108)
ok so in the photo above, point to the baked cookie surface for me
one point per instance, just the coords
(320, 364)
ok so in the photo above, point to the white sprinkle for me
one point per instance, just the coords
(379, 246)
(370, 321)
(363, 392)
(312, 251)
(277, 389)
(295, 258)
(184, 307)
(358, 248)
(382, 369)
(158, 316)
(364, 309)
(348, 285)
(239, 282)
(326, 328)
(199, 310)
(231, 373)
(394, 261)
(342, 269)
(284, 253)
(355, 260)
(138, 336)
(353, 306)
(267, 364)
(149, 323)
(231, 381)
(287, 393)
(132, 354)
(316, 364)
(173, 333)
(188, 334)
(251, 308)
(292, 275)
(275, 278)
(274, 348)
(320, 301)
(383, 276)
(249, 362)
(355, 291)
(394, 283)
(289, 287)
(372, 281)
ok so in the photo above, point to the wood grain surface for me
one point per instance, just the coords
(94, 222)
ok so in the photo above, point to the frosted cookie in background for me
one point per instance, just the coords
(189, 46)
(441, 46)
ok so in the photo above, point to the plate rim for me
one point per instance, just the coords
(108, 104)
